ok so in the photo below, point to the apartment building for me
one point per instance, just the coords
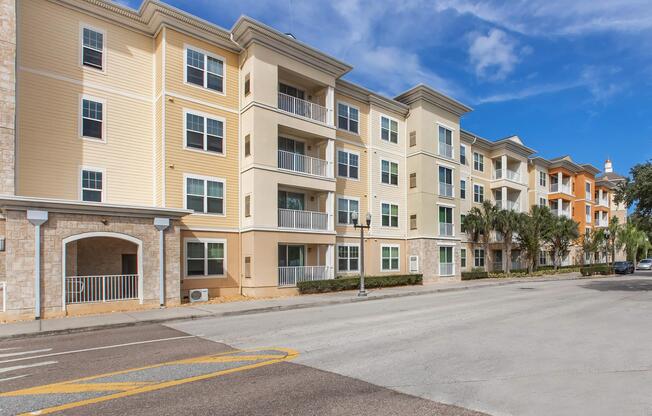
(148, 154)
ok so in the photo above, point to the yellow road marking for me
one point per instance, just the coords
(133, 388)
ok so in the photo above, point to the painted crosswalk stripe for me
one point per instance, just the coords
(20, 367)
(14, 354)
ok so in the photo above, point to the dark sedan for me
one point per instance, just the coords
(623, 267)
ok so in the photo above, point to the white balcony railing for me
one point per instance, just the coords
(290, 276)
(554, 187)
(304, 220)
(91, 289)
(445, 229)
(304, 164)
(445, 189)
(445, 150)
(302, 108)
(446, 269)
(512, 175)
(510, 205)
(602, 201)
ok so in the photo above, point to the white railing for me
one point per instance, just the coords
(507, 174)
(445, 150)
(446, 269)
(290, 276)
(301, 163)
(554, 187)
(445, 229)
(91, 289)
(3, 296)
(601, 222)
(445, 189)
(509, 205)
(305, 220)
(602, 201)
(302, 108)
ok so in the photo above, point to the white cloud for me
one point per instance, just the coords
(528, 92)
(493, 55)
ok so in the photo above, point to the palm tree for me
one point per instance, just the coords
(612, 233)
(533, 230)
(592, 241)
(479, 223)
(507, 223)
(563, 232)
(633, 240)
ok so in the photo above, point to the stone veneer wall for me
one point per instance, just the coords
(7, 95)
(19, 259)
(428, 252)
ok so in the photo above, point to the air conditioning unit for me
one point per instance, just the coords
(414, 264)
(198, 295)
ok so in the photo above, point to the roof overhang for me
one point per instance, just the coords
(423, 92)
(363, 94)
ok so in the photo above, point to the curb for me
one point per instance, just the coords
(281, 308)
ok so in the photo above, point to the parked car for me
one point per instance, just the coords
(645, 264)
(623, 267)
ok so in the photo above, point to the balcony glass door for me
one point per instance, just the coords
(291, 255)
(291, 200)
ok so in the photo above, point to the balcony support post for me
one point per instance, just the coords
(330, 105)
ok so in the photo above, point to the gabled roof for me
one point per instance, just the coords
(512, 143)
(363, 94)
(611, 176)
(423, 92)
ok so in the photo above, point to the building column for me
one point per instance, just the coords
(560, 180)
(560, 203)
(503, 164)
(330, 158)
(330, 210)
(330, 260)
(161, 225)
(503, 196)
(330, 105)
(37, 218)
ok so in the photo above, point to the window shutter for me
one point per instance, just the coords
(413, 180)
(413, 222)
(413, 138)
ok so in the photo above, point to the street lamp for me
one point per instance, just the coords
(354, 218)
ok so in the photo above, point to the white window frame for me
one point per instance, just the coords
(337, 206)
(398, 257)
(398, 215)
(102, 101)
(81, 182)
(452, 248)
(439, 180)
(83, 26)
(480, 161)
(348, 259)
(389, 136)
(544, 200)
(588, 213)
(206, 55)
(463, 188)
(474, 193)
(466, 154)
(205, 241)
(452, 223)
(205, 116)
(440, 125)
(543, 177)
(348, 163)
(398, 176)
(348, 117)
(463, 258)
(475, 257)
(187, 176)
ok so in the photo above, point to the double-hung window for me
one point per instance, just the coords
(92, 48)
(463, 258)
(92, 119)
(388, 129)
(445, 182)
(347, 257)
(543, 176)
(445, 221)
(543, 202)
(205, 258)
(204, 70)
(588, 213)
(205, 195)
(347, 164)
(348, 118)
(92, 185)
(587, 189)
(389, 257)
(463, 189)
(389, 215)
(463, 154)
(389, 172)
(204, 133)
(478, 193)
(478, 257)
(345, 207)
(478, 162)
(445, 142)
(446, 267)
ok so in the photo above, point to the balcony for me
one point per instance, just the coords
(94, 289)
(290, 276)
(554, 187)
(602, 202)
(303, 164)
(509, 205)
(302, 108)
(445, 150)
(445, 229)
(507, 174)
(446, 269)
(601, 222)
(302, 220)
(445, 189)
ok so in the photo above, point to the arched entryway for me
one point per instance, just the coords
(100, 267)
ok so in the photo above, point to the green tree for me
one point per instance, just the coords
(610, 238)
(563, 231)
(479, 223)
(633, 240)
(533, 231)
(592, 242)
(636, 191)
(507, 223)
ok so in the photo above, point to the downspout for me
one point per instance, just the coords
(37, 218)
(161, 225)
(240, 257)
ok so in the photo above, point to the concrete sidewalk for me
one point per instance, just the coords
(197, 311)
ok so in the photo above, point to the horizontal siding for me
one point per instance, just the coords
(363, 136)
(350, 187)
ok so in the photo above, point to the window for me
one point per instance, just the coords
(478, 162)
(389, 256)
(445, 142)
(446, 261)
(445, 221)
(347, 258)
(413, 180)
(347, 164)
(588, 213)
(204, 70)
(347, 117)
(413, 138)
(205, 195)
(91, 185)
(543, 179)
(413, 222)
(388, 129)
(462, 226)
(204, 133)
(345, 207)
(247, 85)
(291, 200)
(247, 267)
(463, 155)
(463, 258)
(389, 215)
(478, 193)
(247, 206)
(463, 189)
(205, 258)
(388, 172)
(92, 48)
(291, 91)
(543, 258)
(92, 119)
(543, 202)
(587, 189)
(478, 257)
(445, 182)
(247, 146)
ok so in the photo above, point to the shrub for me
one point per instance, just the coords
(476, 274)
(596, 269)
(352, 283)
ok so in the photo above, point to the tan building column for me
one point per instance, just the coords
(330, 105)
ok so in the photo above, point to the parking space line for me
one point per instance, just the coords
(13, 354)
(20, 367)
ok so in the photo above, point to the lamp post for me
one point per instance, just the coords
(354, 218)
(607, 236)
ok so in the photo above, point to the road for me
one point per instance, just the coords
(549, 348)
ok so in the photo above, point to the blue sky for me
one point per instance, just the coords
(568, 77)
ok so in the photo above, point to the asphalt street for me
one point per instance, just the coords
(549, 348)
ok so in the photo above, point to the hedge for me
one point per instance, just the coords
(475, 275)
(599, 269)
(352, 283)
